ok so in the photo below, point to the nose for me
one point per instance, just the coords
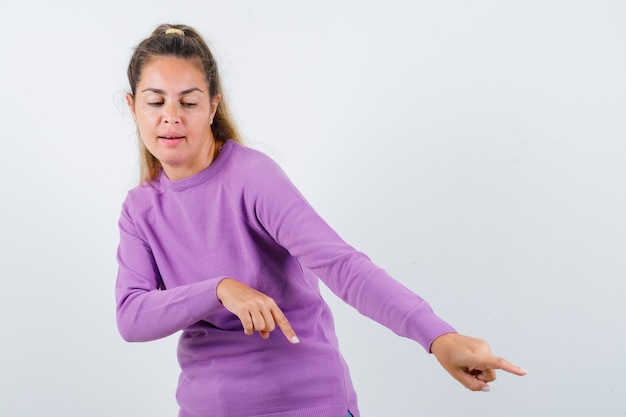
(170, 114)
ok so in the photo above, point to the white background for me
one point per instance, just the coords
(474, 149)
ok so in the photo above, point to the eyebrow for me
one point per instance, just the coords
(182, 93)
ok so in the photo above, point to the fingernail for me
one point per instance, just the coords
(486, 388)
(523, 370)
(295, 340)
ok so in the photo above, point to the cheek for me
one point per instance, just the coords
(145, 121)
(145, 131)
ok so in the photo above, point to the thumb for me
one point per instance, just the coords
(470, 382)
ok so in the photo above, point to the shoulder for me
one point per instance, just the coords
(139, 199)
(254, 179)
(252, 165)
(253, 157)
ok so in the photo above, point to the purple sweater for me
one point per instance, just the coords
(242, 218)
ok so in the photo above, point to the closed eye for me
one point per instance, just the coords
(155, 103)
(189, 104)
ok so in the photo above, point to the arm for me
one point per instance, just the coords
(351, 275)
(145, 311)
(286, 216)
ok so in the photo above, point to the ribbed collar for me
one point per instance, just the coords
(202, 176)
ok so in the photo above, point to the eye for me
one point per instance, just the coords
(155, 103)
(188, 104)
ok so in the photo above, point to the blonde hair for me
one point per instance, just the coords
(183, 42)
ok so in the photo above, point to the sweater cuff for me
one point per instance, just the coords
(428, 328)
(204, 301)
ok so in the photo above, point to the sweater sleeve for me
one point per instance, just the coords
(285, 214)
(145, 310)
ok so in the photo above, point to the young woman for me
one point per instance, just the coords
(218, 243)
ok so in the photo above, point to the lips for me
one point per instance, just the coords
(171, 137)
(171, 140)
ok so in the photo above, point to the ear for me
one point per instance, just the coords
(215, 101)
(130, 100)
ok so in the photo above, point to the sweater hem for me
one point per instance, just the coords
(333, 411)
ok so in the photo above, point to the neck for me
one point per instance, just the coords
(176, 173)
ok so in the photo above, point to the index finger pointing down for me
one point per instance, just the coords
(282, 322)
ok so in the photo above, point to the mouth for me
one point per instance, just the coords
(171, 140)
(168, 137)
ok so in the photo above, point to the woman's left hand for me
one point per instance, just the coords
(470, 361)
(256, 311)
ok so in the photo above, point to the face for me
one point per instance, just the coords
(174, 111)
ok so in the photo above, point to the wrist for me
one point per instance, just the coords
(441, 342)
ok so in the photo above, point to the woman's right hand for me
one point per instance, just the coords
(470, 361)
(256, 311)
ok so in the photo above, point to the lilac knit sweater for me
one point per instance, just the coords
(242, 218)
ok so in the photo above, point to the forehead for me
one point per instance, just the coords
(172, 74)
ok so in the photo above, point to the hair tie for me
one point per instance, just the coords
(174, 31)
